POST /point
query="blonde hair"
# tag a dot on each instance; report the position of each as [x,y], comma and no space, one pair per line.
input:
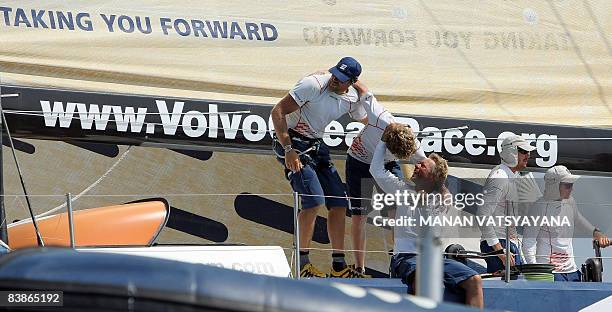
[439,171]
[400,140]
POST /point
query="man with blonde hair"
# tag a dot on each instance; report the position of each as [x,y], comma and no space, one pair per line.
[429,177]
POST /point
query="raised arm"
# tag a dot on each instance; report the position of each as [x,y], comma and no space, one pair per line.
[361,88]
[419,155]
[384,178]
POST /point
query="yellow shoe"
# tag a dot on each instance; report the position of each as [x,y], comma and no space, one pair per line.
[310,270]
[349,272]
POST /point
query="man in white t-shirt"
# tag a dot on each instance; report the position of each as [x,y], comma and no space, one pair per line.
[359,181]
[501,199]
[553,244]
[299,121]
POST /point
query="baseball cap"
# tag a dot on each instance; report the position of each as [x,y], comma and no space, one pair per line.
[347,69]
[517,141]
[560,174]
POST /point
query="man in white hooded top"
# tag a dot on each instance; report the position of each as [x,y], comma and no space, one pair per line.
[501,199]
[553,244]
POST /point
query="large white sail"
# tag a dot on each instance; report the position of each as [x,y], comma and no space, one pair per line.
[531,61]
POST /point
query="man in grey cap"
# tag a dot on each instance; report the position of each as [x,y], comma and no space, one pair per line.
[500,198]
[553,244]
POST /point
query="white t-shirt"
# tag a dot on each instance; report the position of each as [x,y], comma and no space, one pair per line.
[365,142]
[319,106]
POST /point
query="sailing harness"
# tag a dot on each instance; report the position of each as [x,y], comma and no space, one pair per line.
[307,149]
[313,144]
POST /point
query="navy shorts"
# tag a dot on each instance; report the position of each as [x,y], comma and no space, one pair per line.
[318,176]
[455,272]
[568,277]
[360,184]
[495,264]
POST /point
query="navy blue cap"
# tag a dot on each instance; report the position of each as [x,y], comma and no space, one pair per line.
[347,69]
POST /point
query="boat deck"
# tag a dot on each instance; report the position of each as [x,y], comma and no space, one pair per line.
[518,295]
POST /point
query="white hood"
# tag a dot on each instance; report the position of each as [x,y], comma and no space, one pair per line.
[553,177]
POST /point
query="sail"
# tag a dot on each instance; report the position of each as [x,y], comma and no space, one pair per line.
[521,61]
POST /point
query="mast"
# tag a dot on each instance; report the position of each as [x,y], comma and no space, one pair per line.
[3,221]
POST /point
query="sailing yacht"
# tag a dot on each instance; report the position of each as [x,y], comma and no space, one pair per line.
[118,104]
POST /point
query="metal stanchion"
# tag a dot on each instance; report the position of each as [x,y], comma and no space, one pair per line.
[507,275]
[430,266]
[296,234]
[70,221]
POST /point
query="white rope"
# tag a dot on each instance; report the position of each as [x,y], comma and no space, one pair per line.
[41,113]
[131,122]
[226,194]
[87,188]
[440,130]
[156,195]
[188,195]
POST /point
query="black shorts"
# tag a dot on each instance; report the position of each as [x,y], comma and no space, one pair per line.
[360,184]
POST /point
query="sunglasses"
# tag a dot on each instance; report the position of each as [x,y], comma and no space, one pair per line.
[524,152]
[352,80]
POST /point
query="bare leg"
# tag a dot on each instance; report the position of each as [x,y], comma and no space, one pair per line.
[473,291]
[307,219]
[391,214]
[359,238]
[335,228]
